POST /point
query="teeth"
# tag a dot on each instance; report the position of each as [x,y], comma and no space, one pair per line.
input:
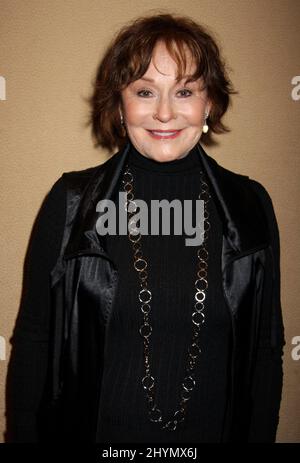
[164,134]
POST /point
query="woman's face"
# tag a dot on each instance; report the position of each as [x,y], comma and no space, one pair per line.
[156,102]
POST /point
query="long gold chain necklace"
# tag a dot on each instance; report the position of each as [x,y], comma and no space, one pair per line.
[145,295]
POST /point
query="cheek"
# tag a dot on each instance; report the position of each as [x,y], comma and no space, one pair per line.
[194,114]
[135,111]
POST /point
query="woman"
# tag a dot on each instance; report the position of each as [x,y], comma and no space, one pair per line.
[139,337]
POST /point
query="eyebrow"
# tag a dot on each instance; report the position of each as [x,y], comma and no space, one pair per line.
[148,79]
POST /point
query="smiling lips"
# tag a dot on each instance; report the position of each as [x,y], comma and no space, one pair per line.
[165,134]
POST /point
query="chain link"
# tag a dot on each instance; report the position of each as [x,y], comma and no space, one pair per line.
[145,296]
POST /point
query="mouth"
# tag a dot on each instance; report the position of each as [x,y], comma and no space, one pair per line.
[164,134]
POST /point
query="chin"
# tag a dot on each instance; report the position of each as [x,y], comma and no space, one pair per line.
[165,157]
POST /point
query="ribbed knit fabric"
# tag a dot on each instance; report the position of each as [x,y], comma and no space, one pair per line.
[171,278]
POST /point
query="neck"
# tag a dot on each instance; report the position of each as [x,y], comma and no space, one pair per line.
[191,161]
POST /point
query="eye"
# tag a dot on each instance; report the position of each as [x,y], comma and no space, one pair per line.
[142,93]
[185,92]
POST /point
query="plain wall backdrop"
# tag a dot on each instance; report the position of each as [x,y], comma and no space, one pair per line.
[49,53]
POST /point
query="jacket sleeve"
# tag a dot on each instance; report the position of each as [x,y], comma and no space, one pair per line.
[268,372]
[29,355]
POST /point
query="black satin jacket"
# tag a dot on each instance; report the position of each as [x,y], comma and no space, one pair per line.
[84,283]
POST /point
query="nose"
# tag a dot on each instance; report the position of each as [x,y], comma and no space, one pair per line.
[164,110]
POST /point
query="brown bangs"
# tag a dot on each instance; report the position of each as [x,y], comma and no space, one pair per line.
[178,48]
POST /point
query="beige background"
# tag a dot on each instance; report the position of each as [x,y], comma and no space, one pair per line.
[49,52]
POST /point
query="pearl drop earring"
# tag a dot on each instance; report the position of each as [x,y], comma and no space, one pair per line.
[205,126]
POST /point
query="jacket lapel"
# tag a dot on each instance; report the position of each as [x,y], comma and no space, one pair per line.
[242,216]
[82,235]
[244,223]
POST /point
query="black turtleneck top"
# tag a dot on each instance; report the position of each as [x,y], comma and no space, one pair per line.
[171,278]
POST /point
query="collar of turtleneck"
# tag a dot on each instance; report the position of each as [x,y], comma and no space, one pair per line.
[188,163]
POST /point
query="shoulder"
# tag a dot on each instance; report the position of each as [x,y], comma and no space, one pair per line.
[68,185]
[267,204]
[265,199]
[259,196]
[228,180]
[79,179]
[247,184]
[249,191]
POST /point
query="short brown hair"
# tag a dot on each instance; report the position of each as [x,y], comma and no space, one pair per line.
[127,59]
